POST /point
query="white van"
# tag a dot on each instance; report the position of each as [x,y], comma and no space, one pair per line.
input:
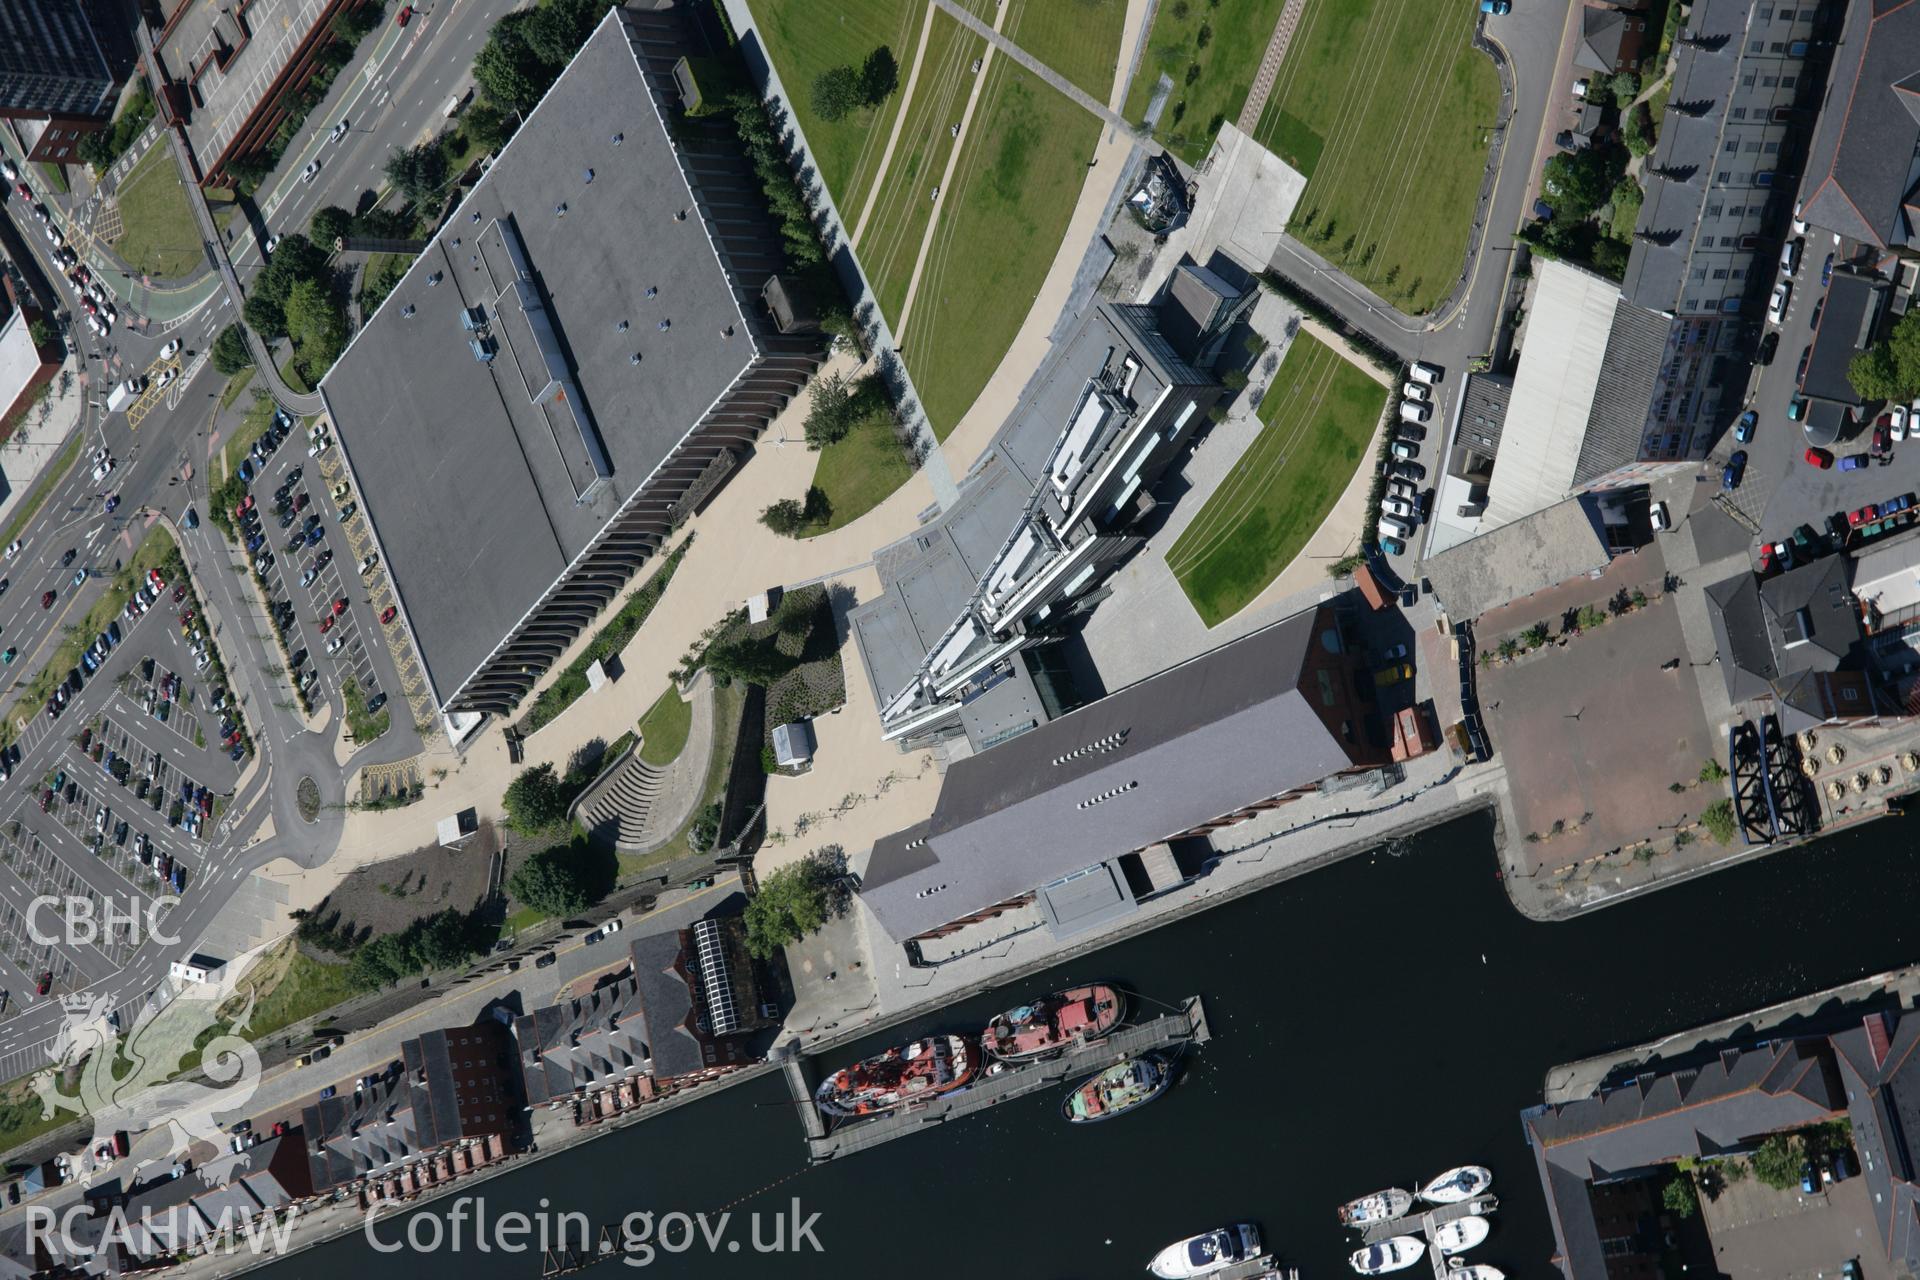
[1414,411]
[1396,526]
[1421,371]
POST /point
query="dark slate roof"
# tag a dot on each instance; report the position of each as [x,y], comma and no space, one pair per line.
[1483,412]
[1617,419]
[1855,301]
[1601,31]
[1883,1093]
[1800,620]
[472,488]
[1861,166]
[1195,301]
[666,1005]
[1158,758]
[1702,200]
[1725,1105]
[584,1043]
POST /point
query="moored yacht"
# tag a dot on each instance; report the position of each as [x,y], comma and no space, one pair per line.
[1461,1234]
[1455,1185]
[1381,1206]
[1204,1254]
[1389,1255]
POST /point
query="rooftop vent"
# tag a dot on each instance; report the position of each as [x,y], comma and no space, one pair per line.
[930,891]
[1107,795]
[1111,742]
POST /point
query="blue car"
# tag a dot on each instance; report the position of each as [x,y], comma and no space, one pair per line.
[1498,8]
[1826,272]
[1543,211]
[1735,468]
[88,661]
[1854,462]
[314,538]
[256,542]
[113,634]
[179,877]
[1743,429]
[246,470]
[236,753]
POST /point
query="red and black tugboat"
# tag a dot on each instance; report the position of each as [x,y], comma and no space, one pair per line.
[1055,1023]
[908,1073]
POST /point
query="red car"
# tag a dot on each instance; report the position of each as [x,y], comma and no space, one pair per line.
[180,593]
[404,16]
[245,506]
[1882,436]
[1766,557]
[160,583]
[388,614]
[46,983]
[46,601]
[22,190]
[326,624]
[1819,458]
[339,606]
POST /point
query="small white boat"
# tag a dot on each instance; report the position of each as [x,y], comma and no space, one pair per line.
[1381,1206]
[1389,1255]
[1455,1185]
[1461,1234]
[1479,1271]
[1204,1254]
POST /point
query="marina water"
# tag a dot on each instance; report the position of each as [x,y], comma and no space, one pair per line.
[1374,1023]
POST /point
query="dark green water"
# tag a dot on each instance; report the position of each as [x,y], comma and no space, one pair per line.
[1374,1024]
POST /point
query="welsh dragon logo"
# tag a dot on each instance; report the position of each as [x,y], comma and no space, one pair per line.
[123,1080]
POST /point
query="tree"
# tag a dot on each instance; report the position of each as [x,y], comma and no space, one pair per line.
[748,660]
[536,799]
[42,333]
[1627,199]
[96,148]
[330,223]
[1891,369]
[443,942]
[295,258]
[789,517]
[507,70]
[419,172]
[837,91]
[1637,132]
[879,75]
[1777,1162]
[1717,818]
[486,126]
[1577,182]
[836,408]
[230,353]
[552,881]
[1626,87]
[263,315]
[316,324]
[790,904]
[1679,1196]
[1610,259]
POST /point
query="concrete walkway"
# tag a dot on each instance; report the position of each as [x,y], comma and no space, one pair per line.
[991,34]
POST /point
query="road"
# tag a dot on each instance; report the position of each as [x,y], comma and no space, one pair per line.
[162,452]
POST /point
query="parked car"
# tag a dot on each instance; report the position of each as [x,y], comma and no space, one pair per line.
[1777,304]
[1736,468]
[1818,457]
[1743,429]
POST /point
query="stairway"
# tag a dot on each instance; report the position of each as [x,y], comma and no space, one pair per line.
[621,805]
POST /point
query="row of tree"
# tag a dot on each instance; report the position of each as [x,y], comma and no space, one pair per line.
[527,50]
[838,92]
[297,297]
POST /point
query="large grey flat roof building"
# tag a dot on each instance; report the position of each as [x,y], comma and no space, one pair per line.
[576,359]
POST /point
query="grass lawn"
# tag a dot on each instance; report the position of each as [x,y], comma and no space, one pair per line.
[377,279]
[364,728]
[726,724]
[896,215]
[50,477]
[21,1118]
[1211,76]
[860,471]
[252,427]
[1013,192]
[294,377]
[805,38]
[159,237]
[1078,38]
[294,986]
[235,385]
[152,552]
[1317,418]
[1392,179]
[663,730]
